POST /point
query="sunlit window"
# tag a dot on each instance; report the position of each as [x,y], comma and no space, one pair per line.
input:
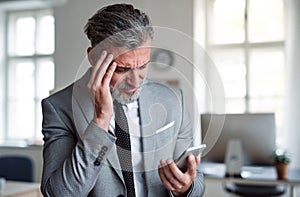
[265,20]
[245,39]
[228,18]
[30,69]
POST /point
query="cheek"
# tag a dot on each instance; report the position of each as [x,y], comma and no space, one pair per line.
[116,79]
[143,73]
[113,80]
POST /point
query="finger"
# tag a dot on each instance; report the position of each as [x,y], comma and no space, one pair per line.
[182,178]
[108,75]
[96,67]
[163,177]
[198,159]
[192,166]
[164,180]
[175,170]
[172,179]
[102,70]
[162,163]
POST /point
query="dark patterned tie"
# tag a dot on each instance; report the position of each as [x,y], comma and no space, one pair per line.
[124,148]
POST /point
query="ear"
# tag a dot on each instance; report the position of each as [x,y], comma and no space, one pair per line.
[90,56]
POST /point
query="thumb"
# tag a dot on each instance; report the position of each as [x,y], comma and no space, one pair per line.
[192,165]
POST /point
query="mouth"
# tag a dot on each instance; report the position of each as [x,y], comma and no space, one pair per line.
[125,93]
[129,90]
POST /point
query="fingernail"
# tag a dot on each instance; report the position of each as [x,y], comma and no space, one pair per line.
[110,56]
[162,162]
[169,161]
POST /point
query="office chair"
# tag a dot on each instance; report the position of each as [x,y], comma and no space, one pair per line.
[16,168]
[247,190]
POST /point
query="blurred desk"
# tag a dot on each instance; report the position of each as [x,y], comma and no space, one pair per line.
[21,189]
[253,175]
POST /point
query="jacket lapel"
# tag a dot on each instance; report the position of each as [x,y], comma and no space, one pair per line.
[81,98]
[113,161]
[149,124]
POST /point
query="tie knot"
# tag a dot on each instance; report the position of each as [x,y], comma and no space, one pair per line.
[117,104]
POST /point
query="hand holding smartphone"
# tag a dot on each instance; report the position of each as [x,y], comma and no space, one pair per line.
[196,151]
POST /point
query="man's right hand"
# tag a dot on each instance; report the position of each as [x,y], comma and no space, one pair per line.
[99,88]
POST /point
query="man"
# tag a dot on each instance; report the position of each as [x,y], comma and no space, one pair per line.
[113,132]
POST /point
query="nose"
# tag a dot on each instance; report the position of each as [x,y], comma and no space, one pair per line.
[134,78]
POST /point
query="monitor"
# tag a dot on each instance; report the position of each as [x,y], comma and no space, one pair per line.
[255,131]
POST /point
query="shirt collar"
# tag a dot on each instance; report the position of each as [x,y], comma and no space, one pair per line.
[131,106]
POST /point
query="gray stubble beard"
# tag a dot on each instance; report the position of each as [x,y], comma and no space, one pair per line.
[117,95]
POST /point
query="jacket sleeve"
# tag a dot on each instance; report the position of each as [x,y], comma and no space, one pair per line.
[71,165]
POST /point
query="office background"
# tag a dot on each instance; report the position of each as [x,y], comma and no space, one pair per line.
[187,17]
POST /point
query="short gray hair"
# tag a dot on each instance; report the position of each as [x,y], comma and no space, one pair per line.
[119,25]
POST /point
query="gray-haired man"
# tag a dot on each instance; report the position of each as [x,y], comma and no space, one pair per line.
[84,151]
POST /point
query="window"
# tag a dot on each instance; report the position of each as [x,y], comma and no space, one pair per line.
[245,39]
[30,71]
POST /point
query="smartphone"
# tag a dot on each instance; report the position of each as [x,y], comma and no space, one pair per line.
[196,150]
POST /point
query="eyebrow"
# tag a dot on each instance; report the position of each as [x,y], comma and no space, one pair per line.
[127,68]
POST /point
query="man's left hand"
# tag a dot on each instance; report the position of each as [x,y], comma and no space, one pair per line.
[174,179]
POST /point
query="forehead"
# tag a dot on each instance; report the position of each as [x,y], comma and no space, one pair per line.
[132,57]
[133,54]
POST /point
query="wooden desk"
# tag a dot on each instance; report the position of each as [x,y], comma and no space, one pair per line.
[21,189]
[253,176]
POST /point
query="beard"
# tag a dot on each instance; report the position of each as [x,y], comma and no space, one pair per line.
[125,98]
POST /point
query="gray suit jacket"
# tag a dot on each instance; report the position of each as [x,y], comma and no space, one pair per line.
[80,158]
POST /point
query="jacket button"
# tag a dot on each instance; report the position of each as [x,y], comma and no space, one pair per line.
[97,163]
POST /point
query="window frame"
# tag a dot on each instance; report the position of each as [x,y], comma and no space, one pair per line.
[35,57]
[245,46]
